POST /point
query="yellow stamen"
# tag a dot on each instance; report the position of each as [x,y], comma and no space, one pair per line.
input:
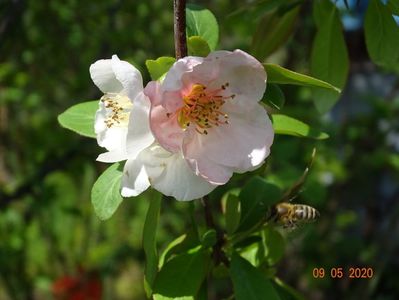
[202,108]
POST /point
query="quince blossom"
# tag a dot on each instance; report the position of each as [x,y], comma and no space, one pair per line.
[208,109]
[121,122]
[122,127]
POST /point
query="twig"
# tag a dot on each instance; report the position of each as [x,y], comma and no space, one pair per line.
[179,8]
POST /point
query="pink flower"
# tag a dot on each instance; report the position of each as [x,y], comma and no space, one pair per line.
[208,108]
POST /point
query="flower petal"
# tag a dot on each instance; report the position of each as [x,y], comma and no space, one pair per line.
[113,138]
[239,146]
[245,75]
[170,174]
[172,81]
[139,134]
[166,129]
[134,179]
[129,77]
[103,76]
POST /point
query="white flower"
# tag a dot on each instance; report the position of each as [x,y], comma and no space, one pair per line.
[123,110]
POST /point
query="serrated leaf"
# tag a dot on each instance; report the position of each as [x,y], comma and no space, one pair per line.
[157,68]
[273,30]
[197,46]
[278,74]
[283,124]
[329,58]
[80,118]
[149,242]
[182,275]
[255,198]
[201,22]
[274,97]
[105,194]
[249,283]
[382,35]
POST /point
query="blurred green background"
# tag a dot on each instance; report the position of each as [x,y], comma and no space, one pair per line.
[49,234]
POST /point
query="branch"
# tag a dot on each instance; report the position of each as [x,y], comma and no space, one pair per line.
[179,8]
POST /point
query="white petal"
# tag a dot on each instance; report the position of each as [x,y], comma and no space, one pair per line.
[139,135]
[113,138]
[103,76]
[134,179]
[112,156]
[129,77]
[170,174]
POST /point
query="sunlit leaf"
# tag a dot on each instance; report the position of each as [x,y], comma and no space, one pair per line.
[278,74]
[182,275]
[255,198]
[283,124]
[80,118]
[273,30]
[201,22]
[197,46]
[382,35]
[159,67]
[249,283]
[105,194]
[149,242]
[329,58]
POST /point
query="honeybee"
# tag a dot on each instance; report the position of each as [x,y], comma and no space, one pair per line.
[290,215]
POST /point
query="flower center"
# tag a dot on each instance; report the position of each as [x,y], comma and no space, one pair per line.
[118,109]
[202,108]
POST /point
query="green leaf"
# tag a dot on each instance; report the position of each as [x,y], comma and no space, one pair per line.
[283,124]
[329,58]
[249,283]
[182,244]
[201,22]
[274,96]
[255,198]
[182,275]
[278,74]
[157,68]
[149,242]
[197,46]
[287,292]
[105,194]
[80,118]
[232,211]
[274,245]
[209,238]
[382,35]
[393,6]
[273,30]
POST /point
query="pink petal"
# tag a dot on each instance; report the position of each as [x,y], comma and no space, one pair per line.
[239,146]
[166,129]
